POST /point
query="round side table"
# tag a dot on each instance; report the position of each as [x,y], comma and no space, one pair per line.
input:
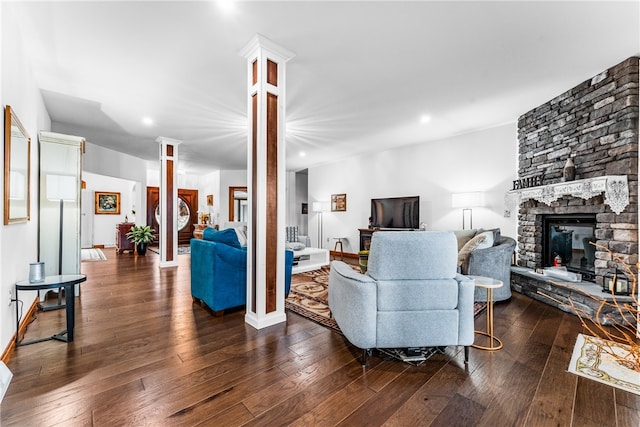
[489,284]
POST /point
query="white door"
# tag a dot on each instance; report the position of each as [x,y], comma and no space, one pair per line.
[86,221]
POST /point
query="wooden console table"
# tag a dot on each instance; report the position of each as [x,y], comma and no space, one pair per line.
[122,243]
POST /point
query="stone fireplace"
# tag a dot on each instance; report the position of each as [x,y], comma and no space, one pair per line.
[596,125]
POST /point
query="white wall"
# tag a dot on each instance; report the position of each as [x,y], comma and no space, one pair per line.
[482,161]
[104,226]
[209,184]
[105,162]
[19,242]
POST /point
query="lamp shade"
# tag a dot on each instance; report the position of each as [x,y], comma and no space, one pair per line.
[320,206]
[61,187]
[467,200]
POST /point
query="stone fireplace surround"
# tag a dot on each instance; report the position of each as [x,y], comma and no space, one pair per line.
[596,123]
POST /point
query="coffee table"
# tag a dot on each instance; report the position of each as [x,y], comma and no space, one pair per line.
[309,259]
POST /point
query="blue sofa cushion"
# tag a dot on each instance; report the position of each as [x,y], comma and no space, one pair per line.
[227,236]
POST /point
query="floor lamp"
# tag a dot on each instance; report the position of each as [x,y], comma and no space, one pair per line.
[319,208]
[60,188]
[466,201]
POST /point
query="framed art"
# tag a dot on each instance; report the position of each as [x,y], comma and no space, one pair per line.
[107,202]
[305,209]
[338,202]
[210,200]
[17,169]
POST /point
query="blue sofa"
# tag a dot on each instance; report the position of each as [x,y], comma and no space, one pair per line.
[219,270]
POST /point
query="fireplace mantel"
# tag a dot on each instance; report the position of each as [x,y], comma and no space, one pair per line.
[614,187]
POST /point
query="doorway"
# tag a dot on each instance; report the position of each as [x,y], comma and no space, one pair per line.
[187,212]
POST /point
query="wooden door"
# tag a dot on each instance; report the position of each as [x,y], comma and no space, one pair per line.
[187,212]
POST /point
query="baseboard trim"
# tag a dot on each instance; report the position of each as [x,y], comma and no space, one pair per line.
[335,254]
[10,348]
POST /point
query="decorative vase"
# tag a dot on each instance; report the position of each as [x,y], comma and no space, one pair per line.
[141,248]
[569,171]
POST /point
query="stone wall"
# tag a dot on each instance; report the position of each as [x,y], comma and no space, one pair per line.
[596,123]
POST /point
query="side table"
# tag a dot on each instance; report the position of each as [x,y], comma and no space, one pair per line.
[66,281]
[489,284]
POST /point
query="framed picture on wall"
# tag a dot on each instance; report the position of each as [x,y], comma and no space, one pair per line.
[338,202]
[210,200]
[107,202]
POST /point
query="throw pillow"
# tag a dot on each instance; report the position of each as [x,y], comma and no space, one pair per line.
[496,234]
[488,241]
[227,236]
[463,255]
[241,234]
[464,236]
[295,246]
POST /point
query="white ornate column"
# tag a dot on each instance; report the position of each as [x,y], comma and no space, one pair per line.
[168,202]
[266,181]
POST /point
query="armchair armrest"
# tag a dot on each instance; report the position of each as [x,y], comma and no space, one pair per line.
[353,303]
[466,291]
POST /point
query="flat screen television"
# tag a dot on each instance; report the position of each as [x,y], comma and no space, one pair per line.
[396,212]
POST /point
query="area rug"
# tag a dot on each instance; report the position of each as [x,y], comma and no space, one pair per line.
[590,360]
[92,255]
[309,297]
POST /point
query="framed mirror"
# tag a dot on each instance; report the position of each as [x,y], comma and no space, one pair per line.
[17,164]
[238,204]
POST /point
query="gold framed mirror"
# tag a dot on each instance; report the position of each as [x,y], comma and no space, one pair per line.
[238,204]
[17,169]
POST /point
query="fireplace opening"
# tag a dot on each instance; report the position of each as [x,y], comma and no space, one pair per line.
[566,242]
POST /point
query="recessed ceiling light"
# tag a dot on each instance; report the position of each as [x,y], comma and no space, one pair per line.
[425,118]
[226,5]
[147,121]
[302,154]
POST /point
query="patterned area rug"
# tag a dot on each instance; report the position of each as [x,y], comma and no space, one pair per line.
[309,297]
[92,255]
[604,361]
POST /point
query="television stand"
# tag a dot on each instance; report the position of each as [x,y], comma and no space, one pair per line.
[367,233]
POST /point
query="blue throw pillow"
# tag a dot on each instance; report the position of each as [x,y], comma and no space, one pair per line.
[227,236]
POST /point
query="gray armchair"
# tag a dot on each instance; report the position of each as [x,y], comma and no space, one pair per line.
[411,295]
[494,262]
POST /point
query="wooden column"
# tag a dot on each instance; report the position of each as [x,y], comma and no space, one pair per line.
[168,202]
[266,181]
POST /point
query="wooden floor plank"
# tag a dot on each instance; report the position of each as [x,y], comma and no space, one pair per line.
[145,354]
[556,388]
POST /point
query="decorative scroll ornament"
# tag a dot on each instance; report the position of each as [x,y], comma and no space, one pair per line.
[614,187]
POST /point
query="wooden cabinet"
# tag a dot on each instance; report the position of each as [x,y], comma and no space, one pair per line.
[122,243]
[365,238]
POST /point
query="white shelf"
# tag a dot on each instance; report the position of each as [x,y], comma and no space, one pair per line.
[317,258]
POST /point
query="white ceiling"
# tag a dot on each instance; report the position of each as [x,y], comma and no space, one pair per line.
[363,75]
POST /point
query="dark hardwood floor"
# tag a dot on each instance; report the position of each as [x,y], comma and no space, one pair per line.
[144,354]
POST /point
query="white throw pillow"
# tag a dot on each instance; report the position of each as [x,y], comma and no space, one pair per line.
[488,241]
[242,235]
